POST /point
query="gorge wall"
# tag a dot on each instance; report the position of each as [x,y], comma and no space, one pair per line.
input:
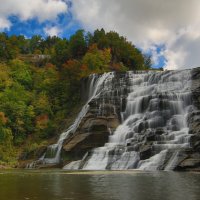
[133,120]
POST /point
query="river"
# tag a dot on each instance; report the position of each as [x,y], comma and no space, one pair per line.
[98,185]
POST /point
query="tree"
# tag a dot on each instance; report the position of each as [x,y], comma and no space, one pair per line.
[147,61]
[21,73]
[5,78]
[97,60]
[8,47]
[101,39]
[42,105]
[15,104]
[6,140]
[61,52]
[77,45]
[7,152]
[37,95]
[23,44]
[71,70]
[35,43]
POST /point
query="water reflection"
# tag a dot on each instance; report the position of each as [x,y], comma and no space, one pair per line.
[165,186]
[99,186]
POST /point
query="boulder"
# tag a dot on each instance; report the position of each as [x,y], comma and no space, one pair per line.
[189,163]
[145,152]
[82,143]
[103,117]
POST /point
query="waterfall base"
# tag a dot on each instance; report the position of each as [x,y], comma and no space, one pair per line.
[137,120]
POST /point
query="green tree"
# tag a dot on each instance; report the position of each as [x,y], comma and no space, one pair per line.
[21,73]
[147,61]
[15,104]
[5,78]
[23,44]
[8,47]
[61,52]
[35,43]
[97,60]
[77,44]
[101,39]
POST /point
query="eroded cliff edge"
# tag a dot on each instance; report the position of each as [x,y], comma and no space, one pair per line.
[190,160]
[100,122]
[163,112]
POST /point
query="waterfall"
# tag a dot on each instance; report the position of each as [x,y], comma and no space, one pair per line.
[53,153]
[153,126]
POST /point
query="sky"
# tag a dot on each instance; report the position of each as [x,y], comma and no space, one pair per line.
[169,30]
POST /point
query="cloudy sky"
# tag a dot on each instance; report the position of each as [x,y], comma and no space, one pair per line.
[167,29]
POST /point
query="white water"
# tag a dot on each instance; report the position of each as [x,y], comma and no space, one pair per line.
[52,155]
[173,161]
[157,101]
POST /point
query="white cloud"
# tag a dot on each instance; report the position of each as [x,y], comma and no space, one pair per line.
[28,9]
[52,31]
[174,24]
[184,49]
[4,24]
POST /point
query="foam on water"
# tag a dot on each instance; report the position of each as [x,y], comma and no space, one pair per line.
[157,106]
[53,153]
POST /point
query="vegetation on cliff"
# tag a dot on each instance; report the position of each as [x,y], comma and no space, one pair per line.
[40,82]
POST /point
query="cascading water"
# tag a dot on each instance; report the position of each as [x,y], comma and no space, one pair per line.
[52,155]
[154,125]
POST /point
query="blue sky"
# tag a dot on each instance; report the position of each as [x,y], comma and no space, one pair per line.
[34,27]
[64,22]
[171,37]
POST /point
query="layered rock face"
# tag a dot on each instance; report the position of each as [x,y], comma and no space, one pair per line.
[98,118]
[190,160]
[134,120]
[102,118]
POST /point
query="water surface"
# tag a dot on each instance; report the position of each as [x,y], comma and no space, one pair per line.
[100,185]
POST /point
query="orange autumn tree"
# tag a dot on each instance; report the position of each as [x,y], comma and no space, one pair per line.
[42,121]
[71,70]
[96,60]
[3,118]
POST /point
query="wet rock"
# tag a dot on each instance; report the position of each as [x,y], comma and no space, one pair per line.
[36,153]
[159,131]
[82,143]
[194,123]
[189,163]
[145,152]
[94,124]
[149,135]
[92,132]
[195,142]
[101,120]
[188,160]
[113,122]
[98,125]
[193,160]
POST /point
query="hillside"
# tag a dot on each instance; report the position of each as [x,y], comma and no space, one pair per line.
[40,83]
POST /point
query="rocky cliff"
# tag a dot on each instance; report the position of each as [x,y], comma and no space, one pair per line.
[190,160]
[144,120]
[101,119]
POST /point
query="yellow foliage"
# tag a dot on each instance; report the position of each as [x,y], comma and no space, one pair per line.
[3,118]
[42,121]
[5,79]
